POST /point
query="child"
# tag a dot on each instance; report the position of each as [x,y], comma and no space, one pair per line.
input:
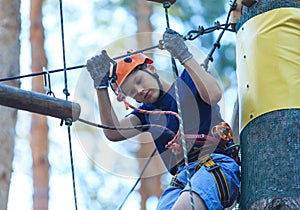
[214,174]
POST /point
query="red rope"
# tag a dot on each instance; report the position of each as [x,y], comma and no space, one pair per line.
[173,144]
[198,139]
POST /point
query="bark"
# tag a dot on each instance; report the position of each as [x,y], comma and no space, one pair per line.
[39,126]
[270,145]
[9,66]
[270,157]
[38,103]
[283,203]
[263,6]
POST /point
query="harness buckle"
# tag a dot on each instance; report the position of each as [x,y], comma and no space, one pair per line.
[211,165]
[223,132]
[232,147]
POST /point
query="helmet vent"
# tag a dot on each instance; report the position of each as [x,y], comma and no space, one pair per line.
[128,60]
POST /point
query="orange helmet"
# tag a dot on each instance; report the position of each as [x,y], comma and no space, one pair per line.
[127,64]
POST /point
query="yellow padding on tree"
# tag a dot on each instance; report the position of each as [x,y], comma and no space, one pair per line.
[268,63]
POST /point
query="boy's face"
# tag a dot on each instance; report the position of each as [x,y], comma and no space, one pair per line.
[141,86]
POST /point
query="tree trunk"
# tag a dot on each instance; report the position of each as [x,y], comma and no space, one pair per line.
[39,126]
[269,103]
[150,183]
[9,65]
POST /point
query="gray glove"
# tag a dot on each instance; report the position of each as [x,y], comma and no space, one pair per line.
[99,68]
[173,42]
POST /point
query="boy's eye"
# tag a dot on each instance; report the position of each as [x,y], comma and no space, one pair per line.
[138,81]
[131,93]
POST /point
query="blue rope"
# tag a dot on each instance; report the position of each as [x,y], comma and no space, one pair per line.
[166,5]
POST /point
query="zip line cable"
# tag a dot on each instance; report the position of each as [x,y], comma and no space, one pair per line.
[68,122]
[40,73]
[65,90]
[191,35]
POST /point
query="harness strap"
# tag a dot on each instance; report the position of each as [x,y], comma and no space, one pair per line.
[216,172]
[201,139]
[219,177]
[222,138]
[175,182]
[198,153]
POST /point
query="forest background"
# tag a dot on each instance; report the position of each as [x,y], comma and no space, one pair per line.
[104,171]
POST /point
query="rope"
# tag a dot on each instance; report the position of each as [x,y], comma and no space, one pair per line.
[142,127]
[65,90]
[68,122]
[184,147]
[166,5]
[176,136]
[138,180]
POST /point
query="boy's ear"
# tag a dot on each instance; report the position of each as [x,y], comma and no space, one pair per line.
[152,68]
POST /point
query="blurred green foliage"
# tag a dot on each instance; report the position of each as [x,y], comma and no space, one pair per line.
[191,15]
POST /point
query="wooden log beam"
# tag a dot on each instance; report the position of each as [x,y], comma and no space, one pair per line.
[38,103]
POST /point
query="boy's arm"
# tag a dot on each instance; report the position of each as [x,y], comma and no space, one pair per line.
[99,67]
[207,86]
[109,117]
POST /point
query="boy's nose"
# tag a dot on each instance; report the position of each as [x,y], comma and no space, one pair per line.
[141,91]
[137,91]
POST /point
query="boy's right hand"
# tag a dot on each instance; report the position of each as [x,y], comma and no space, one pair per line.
[99,68]
[174,43]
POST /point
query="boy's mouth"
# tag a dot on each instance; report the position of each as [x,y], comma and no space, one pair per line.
[147,95]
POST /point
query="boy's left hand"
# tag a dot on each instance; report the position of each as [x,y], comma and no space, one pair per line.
[99,69]
[174,43]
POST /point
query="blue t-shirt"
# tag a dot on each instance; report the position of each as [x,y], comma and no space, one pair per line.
[198,117]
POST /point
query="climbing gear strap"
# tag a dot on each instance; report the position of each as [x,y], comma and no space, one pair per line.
[222,138]
[175,182]
[196,140]
[219,177]
[217,173]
